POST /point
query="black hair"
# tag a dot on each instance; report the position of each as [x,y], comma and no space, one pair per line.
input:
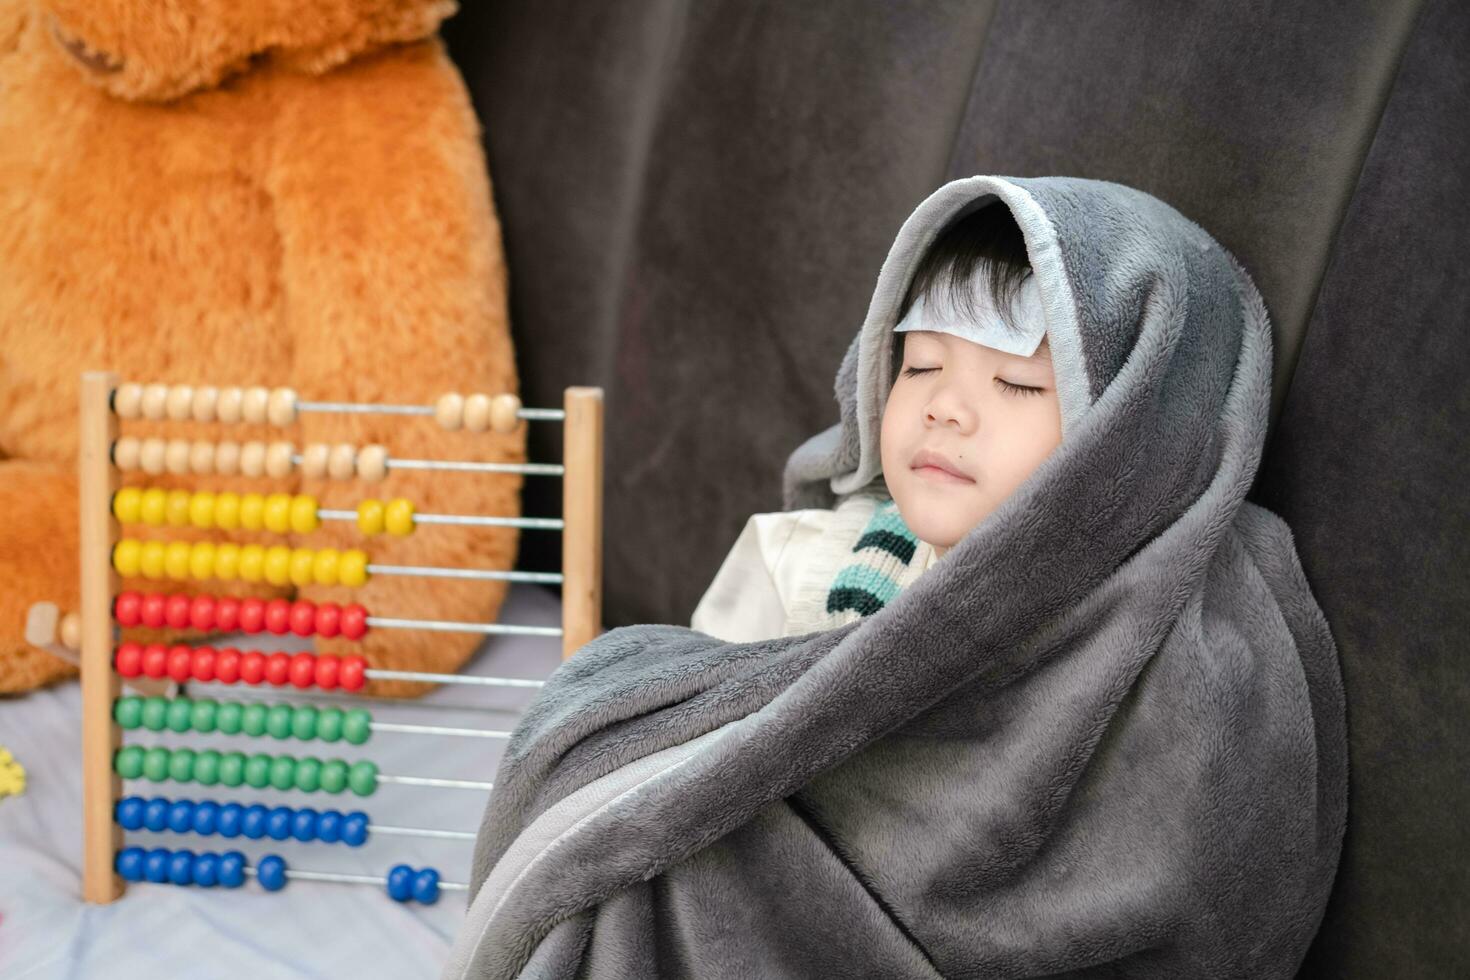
[985,241]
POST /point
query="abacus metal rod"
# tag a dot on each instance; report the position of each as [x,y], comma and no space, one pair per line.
[543,523]
[478,574]
[434,781]
[461,466]
[374,673]
[410,729]
[374,828]
[379,408]
[447,626]
[350,879]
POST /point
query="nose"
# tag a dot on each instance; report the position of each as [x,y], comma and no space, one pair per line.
[946,406]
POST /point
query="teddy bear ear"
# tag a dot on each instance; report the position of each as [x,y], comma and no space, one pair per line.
[376,25]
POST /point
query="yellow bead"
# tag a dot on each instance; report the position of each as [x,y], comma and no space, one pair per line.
[176,560]
[126,555]
[201,509]
[226,560]
[127,504]
[302,564]
[398,516]
[252,563]
[252,511]
[370,516]
[304,518]
[227,510]
[201,561]
[150,559]
[324,567]
[177,508]
[352,568]
[153,506]
[277,513]
[278,565]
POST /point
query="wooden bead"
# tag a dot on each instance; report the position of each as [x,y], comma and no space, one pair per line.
[342,462]
[176,456]
[449,411]
[151,456]
[278,459]
[127,401]
[155,401]
[503,409]
[205,400]
[201,457]
[314,459]
[372,462]
[227,458]
[227,407]
[477,413]
[254,405]
[180,403]
[70,631]
[252,459]
[281,407]
[125,453]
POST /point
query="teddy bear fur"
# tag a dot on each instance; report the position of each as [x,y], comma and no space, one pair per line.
[227,193]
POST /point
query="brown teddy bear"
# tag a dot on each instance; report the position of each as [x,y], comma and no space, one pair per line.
[215,192]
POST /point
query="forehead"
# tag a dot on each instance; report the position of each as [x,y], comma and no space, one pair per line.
[938,342]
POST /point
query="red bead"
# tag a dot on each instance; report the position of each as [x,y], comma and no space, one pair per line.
[127,608]
[303,670]
[252,667]
[352,673]
[327,668]
[226,614]
[203,666]
[252,616]
[278,616]
[227,665]
[354,621]
[180,663]
[155,660]
[176,611]
[328,619]
[278,668]
[303,617]
[150,613]
[201,612]
[129,659]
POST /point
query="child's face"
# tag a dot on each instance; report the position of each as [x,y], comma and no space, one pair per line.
[993,415]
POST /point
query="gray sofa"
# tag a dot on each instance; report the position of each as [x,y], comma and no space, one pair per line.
[696,199]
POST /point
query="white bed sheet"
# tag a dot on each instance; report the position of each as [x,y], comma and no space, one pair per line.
[308,929]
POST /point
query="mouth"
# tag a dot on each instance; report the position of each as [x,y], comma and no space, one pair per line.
[92,59]
[937,467]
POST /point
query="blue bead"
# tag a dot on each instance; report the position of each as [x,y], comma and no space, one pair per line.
[329,826]
[206,870]
[230,817]
[303,825]
[252,825]
[155,864]
[130,813]
[400,883]
[181,816]
[278,823]
[426,886]
[206,817]
[181,867]
[129,863]
[155,814]
[355,828]
[232,869]
[271,873]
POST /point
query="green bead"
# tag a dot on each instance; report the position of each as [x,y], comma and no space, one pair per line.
[180,714]
[205,716]
[155,714]
[206,767]
[252,721]
[303,723]
[227,720]
[334,776]
[329,724]
[363,777]
[357,726]
[181,766]
[128,712]
[258,771]
[283,772]
[155,764]
[232,768]
[278,720]
[128,763]
[308,774]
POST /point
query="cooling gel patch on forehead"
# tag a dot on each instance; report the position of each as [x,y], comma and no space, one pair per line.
[1021,336]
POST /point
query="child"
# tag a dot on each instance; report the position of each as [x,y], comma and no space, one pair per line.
[972,411]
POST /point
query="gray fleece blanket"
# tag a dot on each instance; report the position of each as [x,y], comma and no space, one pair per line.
[1104,737]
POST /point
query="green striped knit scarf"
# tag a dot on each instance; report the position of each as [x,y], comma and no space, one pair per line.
[882,554]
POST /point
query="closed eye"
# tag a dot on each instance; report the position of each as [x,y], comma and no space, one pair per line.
[910,372]
[1022,390]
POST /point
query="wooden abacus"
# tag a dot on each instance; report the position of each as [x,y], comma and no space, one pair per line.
[105,661]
